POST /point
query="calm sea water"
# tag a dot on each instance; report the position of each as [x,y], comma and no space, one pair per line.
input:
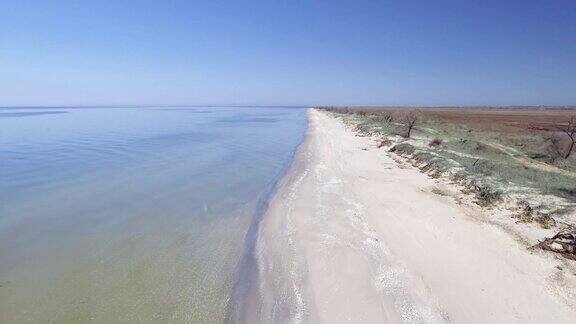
[132,214]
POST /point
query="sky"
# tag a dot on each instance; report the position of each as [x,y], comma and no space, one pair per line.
[443,52]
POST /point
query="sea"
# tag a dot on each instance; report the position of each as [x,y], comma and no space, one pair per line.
[134,214]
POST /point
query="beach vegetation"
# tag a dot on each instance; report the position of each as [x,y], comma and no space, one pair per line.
[435,142]
[496,154]
[384,142]
[486,195]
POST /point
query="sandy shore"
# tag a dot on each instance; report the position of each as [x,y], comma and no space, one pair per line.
[352,236]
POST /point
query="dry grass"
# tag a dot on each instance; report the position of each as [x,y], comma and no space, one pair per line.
[494,152]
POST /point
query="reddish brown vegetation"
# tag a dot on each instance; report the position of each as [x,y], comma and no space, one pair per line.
[483,119]
[503,120]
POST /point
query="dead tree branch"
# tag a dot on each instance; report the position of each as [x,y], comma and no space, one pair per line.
[570,130]
[410,119]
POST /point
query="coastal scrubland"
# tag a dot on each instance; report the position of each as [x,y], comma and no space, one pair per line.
[521,159]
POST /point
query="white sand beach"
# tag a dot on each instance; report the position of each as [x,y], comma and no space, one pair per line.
[353,236]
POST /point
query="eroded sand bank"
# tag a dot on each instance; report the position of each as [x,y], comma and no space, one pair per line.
[354,237]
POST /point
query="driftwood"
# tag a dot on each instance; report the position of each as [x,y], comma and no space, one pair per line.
[564,242]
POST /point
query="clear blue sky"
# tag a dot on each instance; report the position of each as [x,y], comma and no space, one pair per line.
[288,52]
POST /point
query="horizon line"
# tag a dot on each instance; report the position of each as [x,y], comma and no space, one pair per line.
[570,106]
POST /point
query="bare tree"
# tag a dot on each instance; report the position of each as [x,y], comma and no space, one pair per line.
[570,130]
[409,120]
[555,149]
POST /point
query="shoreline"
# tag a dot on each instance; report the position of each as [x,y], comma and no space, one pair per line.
[244,288]
[351,234]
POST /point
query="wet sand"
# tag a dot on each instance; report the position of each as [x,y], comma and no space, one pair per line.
[354,236]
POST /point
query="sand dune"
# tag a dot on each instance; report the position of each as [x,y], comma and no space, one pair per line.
[354,237]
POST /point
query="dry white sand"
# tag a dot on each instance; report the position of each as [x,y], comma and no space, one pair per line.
[354,237]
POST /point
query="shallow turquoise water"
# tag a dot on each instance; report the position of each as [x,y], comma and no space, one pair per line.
[132,214]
